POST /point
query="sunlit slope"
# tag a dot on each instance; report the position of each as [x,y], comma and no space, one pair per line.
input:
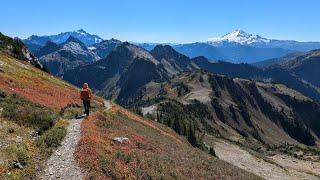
[35,85]
[152,152]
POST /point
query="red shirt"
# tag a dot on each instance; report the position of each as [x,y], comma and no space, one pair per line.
[85,94]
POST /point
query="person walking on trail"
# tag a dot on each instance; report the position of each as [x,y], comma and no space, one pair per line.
[86,95]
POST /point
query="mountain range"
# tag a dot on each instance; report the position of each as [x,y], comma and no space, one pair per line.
[241,47]
[303,65]
[236,46]
[126,73]
[165,62]
[241,37]
[60,58]
[163,79]
[34,42]
[127,68]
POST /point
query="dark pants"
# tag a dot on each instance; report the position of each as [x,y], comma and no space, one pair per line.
[86,105]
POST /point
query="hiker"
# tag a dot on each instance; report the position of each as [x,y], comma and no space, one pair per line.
[86,95]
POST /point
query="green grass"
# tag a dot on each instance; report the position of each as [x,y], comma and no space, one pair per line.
[52,138]
[26,113]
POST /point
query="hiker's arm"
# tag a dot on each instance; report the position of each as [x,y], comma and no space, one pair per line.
[90,93]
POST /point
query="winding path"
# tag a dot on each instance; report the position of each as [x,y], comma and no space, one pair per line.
[62,164]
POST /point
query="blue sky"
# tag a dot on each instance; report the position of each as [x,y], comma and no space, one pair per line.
[163,20]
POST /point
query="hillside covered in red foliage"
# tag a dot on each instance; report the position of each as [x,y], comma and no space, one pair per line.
[152,151]
[35,85]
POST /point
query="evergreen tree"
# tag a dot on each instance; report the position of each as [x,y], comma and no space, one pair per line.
[212,152]
[192,136]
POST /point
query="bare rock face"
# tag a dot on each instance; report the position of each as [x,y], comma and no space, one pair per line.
[71,54]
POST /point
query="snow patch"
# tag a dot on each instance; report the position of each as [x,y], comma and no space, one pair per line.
[92,48]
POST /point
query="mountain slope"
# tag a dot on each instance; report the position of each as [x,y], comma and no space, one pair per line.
[128,68]
[68,55]
[103,48]
[152,151]
[304,65]
[34,107]
[34,85]
[48,48]
[16,48]
[272,62]
[120,74]
[172,61]
[233,108]
[272,74]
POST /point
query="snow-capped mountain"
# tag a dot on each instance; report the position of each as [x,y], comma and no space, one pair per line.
[83,36]
[238,36]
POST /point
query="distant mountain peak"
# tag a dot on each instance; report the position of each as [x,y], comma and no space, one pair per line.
[81,31]
[241,37]
[164,48]
[82,35]
[237,33]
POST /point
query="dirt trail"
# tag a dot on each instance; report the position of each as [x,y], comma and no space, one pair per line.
[244,160]
[62,164]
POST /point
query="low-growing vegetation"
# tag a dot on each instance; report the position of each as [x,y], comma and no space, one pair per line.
[51,139]
[29,133]
[25,113]
[19,77]
[152,152]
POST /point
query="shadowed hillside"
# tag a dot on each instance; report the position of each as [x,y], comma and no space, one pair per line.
[232,108]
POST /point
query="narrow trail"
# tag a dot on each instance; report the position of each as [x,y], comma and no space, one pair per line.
[62,164]
[244,160]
